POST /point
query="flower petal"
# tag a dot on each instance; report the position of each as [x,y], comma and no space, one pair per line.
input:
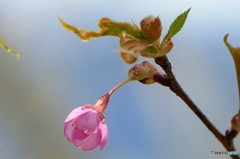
[72,133]
[104,133]
[77,112]
[88,122]
[90,142]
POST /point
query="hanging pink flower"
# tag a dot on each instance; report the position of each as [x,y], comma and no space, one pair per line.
[86,128]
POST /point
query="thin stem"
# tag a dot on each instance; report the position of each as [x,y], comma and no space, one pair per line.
[117,86]
[102,102]
[177,89]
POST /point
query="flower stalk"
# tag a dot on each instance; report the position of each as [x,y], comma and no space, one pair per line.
[118,86]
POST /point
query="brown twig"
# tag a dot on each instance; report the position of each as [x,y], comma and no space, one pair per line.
[227,141]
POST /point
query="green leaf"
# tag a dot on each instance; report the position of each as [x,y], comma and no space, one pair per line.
[150,51]
[2,43]
[176,26]
[235,52]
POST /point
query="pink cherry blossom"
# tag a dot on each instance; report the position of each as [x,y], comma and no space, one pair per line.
[86,128]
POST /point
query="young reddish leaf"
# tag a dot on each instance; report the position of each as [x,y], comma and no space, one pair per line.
[2,43]
[235,52]
[107,28]
[176,26]
[84,35]
[164,49]
[151,27]
[130,48]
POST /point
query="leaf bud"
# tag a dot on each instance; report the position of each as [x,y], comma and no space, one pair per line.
[151,27]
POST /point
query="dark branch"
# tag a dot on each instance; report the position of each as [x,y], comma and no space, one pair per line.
[177,89]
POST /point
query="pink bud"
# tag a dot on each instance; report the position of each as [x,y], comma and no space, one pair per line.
[143,72]
[86,128]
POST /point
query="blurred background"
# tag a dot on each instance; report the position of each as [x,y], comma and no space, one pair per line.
[57,72]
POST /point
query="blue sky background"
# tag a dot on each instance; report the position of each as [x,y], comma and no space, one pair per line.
[57,72]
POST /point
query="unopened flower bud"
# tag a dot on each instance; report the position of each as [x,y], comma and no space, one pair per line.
[236,122]
[151,27]
[142,72]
